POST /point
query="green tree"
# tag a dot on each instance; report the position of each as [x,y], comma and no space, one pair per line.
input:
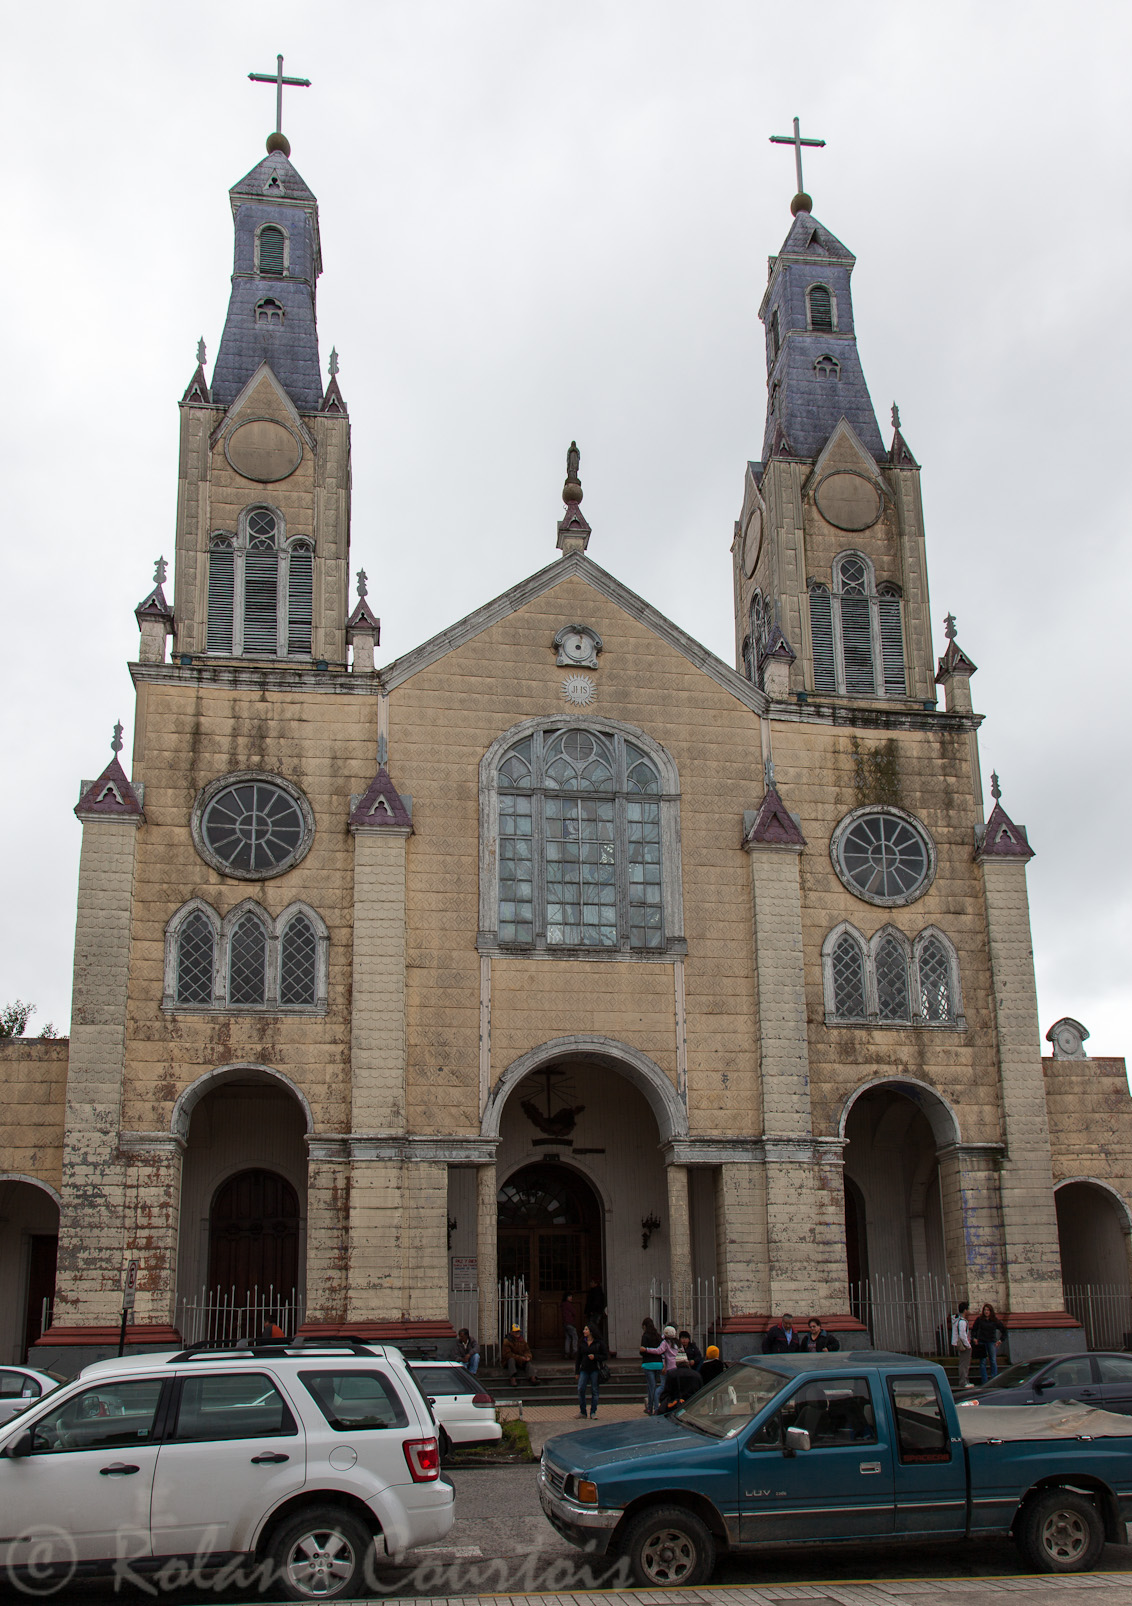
[14,1018]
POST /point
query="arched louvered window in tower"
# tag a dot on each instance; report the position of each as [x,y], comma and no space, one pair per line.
[580,849]
[937,1005]
[196,956]
[300,599]
[261,585]
[247,961]
[891,630]
[298,965]
[221,593]
[856,626]
[848,978]
[271,251]
[891,969]
[821,638]
[821,308]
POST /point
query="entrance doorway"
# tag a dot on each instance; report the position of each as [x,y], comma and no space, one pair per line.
[549,1233]
[254,1238]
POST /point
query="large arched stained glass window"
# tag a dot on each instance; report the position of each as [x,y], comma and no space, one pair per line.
[580,861]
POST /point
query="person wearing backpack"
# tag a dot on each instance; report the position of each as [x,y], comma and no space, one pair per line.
[961,1344]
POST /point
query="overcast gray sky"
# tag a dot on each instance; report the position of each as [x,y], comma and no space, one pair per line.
[546,221]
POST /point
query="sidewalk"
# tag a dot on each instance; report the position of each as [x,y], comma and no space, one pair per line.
[1089,1589]
[544,1421]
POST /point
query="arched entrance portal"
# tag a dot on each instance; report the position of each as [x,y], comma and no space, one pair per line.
[254,1236]
[894,1218]
[549,1234]
[1092,1231]
[29,1238]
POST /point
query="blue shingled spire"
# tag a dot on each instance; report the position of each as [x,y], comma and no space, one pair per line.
[814,376]
[271,313]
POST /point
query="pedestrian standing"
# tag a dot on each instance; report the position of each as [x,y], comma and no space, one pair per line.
[651,1363]
[713,1366]
[594,1310]
[782,1339]
[592,1356]
[668,1350]
[815,1340]
[467,1351]
[961,1344]
[569,1313]
[987,1333]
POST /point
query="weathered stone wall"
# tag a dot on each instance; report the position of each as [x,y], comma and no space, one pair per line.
[33,1074]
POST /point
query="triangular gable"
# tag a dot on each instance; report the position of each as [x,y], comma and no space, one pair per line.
[363,618]
[773,826]
[246,402]
[288,185]
[954,661]
[899,455]
[845,450]
[198,393]
[802,231]
[154,606]
[333,402]
[111,796]
[780,442]
[777,646]
[380,808]
[1002,839]
[575,565]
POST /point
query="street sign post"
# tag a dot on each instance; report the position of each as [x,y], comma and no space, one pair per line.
[129,1299]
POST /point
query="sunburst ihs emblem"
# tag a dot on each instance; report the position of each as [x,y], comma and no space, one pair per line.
[579,690]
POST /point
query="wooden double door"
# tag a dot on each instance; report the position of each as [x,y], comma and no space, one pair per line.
[549,1234]
[254,1238]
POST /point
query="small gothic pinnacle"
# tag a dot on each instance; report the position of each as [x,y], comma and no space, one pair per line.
[332,365]
[363,586]
[995,789]
[572,490]
[895,416]
[116,740]
[949,627]
[202,354]
[160,570]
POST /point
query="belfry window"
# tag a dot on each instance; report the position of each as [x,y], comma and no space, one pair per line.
[581,844]
[269,311]
[271,251]
[857,632]
[775,335]
[827,367]
[260,590]
[820,302]
[246,961]
[891,981]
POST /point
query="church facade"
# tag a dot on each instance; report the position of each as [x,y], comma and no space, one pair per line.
[557,951]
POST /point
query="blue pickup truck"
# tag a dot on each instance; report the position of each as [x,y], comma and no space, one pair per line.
[852,1447]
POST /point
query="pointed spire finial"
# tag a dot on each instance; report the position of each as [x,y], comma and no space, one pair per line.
[995,789]
[895,416]
[160,570]
[363,587]
[949,627]
[202,353]
[116,739]
[332,365]
[572,490]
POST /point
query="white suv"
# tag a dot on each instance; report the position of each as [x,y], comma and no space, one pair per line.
[311,1457]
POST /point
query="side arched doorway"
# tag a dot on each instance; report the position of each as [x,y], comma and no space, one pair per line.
[1093,1235]
[549,1234]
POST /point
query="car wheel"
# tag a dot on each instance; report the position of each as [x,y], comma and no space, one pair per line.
[445,1445]
[320,1554]
[1061,1532]
[668,1548]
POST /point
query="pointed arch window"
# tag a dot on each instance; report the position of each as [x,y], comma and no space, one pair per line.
[889,981]
[260,590]
[821,307]
[247,961]
[272,251]
[857,632]
[584,858]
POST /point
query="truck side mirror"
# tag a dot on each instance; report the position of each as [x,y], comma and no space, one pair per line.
[796,1439]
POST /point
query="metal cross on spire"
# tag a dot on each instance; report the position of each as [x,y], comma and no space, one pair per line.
[278,80]
[797,141]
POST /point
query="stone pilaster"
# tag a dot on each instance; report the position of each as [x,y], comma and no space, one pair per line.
[741,1237]
[679,1231]
[487,1216]
[152,1172]
[972,1221]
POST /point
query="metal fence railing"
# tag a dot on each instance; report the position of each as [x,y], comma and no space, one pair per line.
[693,1304]
[219,1317]
[1104,1311]
[910,1314]
[514,1304]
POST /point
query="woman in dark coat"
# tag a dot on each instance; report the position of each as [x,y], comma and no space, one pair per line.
[987,1333]
[592,1356]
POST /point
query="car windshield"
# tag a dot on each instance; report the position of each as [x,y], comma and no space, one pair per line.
[725,1407]
[1015,1376]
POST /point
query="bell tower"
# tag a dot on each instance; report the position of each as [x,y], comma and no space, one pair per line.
[263,508]
[829,547]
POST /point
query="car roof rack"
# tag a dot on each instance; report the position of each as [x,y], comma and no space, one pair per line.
[242,1351]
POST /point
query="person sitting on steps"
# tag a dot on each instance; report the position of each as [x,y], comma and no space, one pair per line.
[517,1358]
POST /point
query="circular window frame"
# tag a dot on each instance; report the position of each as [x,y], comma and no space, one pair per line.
[213,790]
[842,830]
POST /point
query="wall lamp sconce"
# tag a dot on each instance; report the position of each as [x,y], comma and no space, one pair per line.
[649,1224]
[452,1225]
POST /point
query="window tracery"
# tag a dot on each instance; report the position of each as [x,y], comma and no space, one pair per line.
[260,590]
[890,981]
[246,961]
[857,632]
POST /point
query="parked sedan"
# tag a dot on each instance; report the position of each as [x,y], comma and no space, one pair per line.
[1102,1379]
[21,1386]
[464,1411]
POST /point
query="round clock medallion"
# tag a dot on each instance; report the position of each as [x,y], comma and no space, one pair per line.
[576,647]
